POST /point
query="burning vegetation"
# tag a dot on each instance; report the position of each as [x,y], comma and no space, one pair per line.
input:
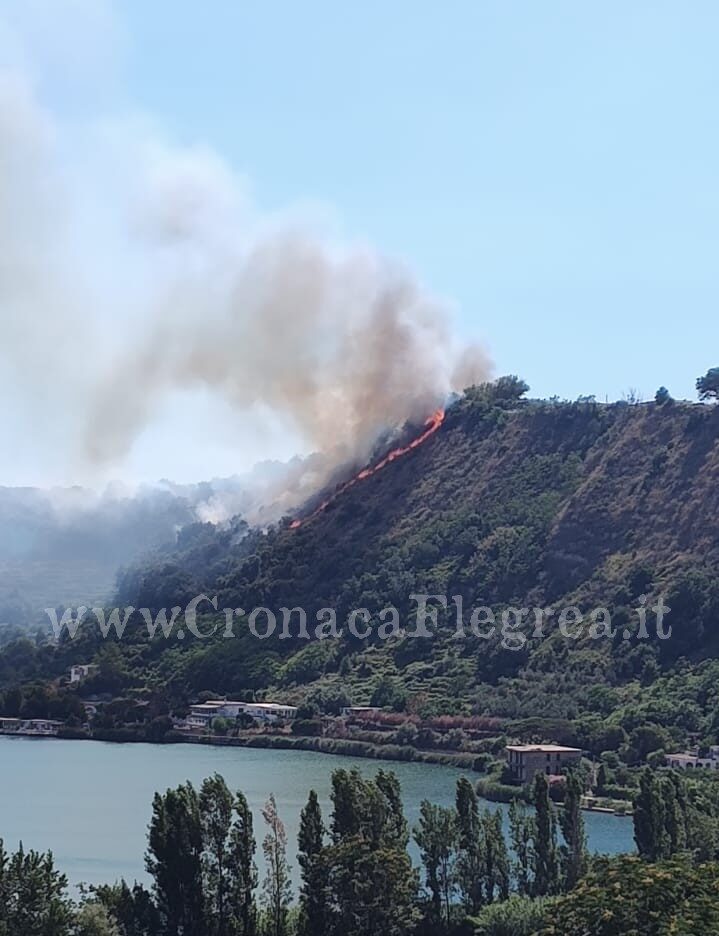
[430,427]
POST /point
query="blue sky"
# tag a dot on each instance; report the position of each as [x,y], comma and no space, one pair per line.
[550,168]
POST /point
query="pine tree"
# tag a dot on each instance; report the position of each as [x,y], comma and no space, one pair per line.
[33,900]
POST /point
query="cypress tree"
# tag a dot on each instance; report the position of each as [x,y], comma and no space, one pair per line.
[313,894]
[546,866]
[174,859]
[216,818]
[571,822]
[243,872]
[436,836]
[650,832]
[470,847]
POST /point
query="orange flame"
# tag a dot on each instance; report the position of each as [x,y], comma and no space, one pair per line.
[432,425]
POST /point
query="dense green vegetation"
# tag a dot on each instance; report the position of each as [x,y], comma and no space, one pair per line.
[357,878]
[512,503]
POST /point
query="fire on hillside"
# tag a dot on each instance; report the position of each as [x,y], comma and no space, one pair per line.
[430,427]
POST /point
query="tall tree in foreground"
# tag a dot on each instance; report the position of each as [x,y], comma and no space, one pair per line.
[522,833]
[650,832]
[174,859]
[216,819]
[277,882]
[243,872]
[314,911]
[372,885]
[496,858]
[132,908]
[93,919]
[571,822]
[32,895]
[436,836]
[546,865]
[470,848]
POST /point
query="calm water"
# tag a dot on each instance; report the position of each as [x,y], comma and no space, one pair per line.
[90,802]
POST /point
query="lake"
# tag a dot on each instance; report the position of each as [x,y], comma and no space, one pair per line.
[90,802]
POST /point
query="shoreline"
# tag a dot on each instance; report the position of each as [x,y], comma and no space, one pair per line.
[341,747]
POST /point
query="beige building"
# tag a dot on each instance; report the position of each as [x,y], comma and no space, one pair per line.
[527,760]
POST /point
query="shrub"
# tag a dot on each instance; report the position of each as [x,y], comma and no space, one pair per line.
[518,916]
[310,727]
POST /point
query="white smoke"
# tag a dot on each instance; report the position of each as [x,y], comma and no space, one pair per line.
[133,270]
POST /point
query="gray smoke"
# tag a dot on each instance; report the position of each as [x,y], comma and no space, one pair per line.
[132,270]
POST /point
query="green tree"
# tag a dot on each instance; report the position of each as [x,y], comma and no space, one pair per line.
[496,858]
[314,911]
[546,864]
[216,817]
[708,385]
[278,891]
[517,916]
[371,882]
[436,836]
[93,919]
[174,859]
[571,822]
[625,895]
[242,870]
[522,833]
[650,821]
[132,908]
[470,847]
[33,899]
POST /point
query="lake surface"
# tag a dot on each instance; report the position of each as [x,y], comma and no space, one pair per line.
[90,802]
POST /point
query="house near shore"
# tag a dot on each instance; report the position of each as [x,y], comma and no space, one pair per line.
[527,760]
[360,711]
[690,760]
[203,714]
[40,727]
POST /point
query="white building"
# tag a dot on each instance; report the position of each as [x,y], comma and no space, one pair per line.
[81,671]
[270,711]
[46,727]
[203,714]
[688,760]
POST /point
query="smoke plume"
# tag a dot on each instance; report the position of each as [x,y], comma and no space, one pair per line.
[132,270]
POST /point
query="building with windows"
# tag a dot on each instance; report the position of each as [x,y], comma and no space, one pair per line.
[203,714]
[527,760]
[690,760]
[45,727]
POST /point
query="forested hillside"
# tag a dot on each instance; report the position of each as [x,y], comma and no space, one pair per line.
[512,502]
